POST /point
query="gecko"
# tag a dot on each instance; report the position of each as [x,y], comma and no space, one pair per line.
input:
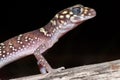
[36,42]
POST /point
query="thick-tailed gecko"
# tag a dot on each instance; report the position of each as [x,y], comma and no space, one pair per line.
[38,41]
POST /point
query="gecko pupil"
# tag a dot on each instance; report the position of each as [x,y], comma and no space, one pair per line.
[76,10]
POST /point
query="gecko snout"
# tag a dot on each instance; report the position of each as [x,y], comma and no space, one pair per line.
[92,12]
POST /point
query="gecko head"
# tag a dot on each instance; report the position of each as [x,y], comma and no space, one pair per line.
[80,13]
[70,17]
[75,14]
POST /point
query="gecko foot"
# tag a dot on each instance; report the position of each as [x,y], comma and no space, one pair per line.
[44,71]
[57,70]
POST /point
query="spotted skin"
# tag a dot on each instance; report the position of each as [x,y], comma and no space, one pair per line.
[20,46]
[38,41]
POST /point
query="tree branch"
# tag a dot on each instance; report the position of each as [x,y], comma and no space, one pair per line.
[102,71]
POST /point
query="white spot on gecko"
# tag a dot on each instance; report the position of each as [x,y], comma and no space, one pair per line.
[18,41]
[19,47]
[3,55]
[33,42]
[56,15]
[3,47]
[71,13]
[61,16]
[62,21]
[65,12]
[26,40]
[23,46]
[54,22]
[2,44]
[8,53]
[36,38]
[49,35]
[67,16]
[11,46]
[43,31]
[26,37]
[19,37]
[21,42]
[4,51]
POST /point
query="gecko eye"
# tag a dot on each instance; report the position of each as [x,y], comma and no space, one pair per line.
[76,10]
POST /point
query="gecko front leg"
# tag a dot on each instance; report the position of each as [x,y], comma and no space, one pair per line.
[44,66]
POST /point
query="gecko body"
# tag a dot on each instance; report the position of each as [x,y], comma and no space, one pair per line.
[38,41]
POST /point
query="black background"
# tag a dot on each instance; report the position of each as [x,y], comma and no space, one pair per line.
[94,41]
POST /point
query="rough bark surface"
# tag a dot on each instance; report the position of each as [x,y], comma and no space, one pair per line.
[102,71]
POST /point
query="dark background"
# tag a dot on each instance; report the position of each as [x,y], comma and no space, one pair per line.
[94,41]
